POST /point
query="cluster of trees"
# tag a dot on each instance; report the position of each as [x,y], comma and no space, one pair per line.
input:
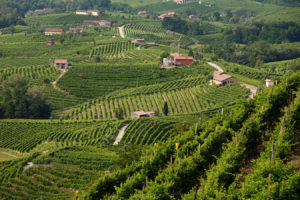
[13,11]
[254,54]
[271,32]
[178,25]
[17,100]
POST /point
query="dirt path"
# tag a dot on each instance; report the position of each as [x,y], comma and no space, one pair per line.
[31,164]
[215,66]
[120,135]
[253,89]
[121,31]
[59,77]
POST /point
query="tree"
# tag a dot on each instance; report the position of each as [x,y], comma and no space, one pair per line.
[97,59]
[166,109]
[17,100]
[119,113]
[191,53]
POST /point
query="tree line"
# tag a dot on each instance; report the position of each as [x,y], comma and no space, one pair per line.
[276,32]
[253,55]
[178,25]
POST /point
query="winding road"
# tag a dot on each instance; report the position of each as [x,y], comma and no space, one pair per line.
[253,89]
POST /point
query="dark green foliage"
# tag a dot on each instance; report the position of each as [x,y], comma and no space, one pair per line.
[181,26]
[19,101]
[129,154]
[254,53]
[119,113]
[166,109]
[271,32]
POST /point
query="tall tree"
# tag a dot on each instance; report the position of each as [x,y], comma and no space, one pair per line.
[166,109]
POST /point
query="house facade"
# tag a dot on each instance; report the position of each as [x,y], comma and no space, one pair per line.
[138,41]
[221,78]
[95,13]
[53,31]
[168,14]
[139,114]
[102,23]
[269,83]
[61,63]
[183,60]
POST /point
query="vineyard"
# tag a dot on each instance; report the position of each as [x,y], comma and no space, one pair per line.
[112,49]
[26,135]
[217,153]
[148,131]
[50,178]
[181,101]
[31,73]
[95,80]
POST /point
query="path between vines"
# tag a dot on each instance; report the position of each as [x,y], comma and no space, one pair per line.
[253,89]
[120,135]
[63,71]
[121,31]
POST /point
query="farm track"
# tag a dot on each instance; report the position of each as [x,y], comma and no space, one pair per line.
[122,35]
[54,83]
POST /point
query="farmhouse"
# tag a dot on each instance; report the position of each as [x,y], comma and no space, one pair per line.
[221,78]
[139,114]
[138,41]
[102,23]
[183,60]
[50,43]
[88,12]
[53,31]
[143,12]
[76,30]
[44,11]
[269,83]
[61,63]
[168,14]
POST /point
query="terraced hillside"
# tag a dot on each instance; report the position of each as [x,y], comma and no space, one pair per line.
[180,101]
[55,175]
[24,135]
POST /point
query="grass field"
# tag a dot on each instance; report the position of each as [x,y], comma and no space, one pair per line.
[6,156]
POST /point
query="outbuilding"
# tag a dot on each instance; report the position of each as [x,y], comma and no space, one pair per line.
[61,63]
[53,31]
[221,78]
[269,83]
[141,113]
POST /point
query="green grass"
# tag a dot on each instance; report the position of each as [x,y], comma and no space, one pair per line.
[6,156]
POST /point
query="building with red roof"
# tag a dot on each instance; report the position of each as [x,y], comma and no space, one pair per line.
[53,31]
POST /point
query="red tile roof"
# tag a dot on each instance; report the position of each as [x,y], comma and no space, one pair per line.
[53,30]
[183,58]
[269,80]
[64,61]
